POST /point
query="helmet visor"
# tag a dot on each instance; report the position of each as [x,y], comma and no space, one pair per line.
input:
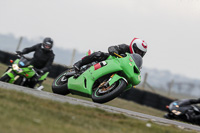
[138,51]
[141,53]
[47,45]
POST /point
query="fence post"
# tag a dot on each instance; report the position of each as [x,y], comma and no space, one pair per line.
[73,56]
[145,80]
[170,87]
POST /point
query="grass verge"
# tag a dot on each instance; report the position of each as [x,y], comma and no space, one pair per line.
[23,113]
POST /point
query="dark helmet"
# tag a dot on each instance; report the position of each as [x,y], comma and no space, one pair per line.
[47,44]
[138,46]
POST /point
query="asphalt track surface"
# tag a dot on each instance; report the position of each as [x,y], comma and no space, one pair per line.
[59,98]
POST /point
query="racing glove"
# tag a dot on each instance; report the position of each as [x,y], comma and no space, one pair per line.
[112,50]
[19,52]
[40,72]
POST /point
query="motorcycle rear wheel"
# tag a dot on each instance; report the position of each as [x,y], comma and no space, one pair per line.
[110,92]
[59,85]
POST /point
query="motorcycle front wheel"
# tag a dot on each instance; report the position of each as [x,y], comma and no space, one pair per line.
[5,78]
[19,81]
[59,85]
[105,94]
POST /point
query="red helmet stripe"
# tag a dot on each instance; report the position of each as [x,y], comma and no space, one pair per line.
[131,50]
[145,46]
[131,45]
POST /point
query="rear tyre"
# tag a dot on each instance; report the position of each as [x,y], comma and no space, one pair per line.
[102,95]
[5,78]
[59,85]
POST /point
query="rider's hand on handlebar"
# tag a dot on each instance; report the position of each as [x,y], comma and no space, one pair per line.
[19,52]
[40,72]
[112,50]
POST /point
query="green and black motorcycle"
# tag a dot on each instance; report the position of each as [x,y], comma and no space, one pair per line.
[102,81]
[21,72]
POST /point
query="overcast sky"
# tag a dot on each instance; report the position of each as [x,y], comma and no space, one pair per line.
[171,28]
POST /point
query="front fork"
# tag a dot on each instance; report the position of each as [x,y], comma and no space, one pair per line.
[10,72]
[9,69]
[105,83]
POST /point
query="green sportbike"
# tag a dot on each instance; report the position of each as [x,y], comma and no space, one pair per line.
[21,72]
[102,81]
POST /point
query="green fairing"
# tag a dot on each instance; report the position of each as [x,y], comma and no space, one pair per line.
[114,79]
[11,77]
[27,72]
[43,77]
[85,81]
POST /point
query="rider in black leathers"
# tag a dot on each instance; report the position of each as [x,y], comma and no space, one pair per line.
[42,58]
[192,118]
[137,46]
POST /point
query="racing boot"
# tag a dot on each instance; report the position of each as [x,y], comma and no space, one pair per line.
[77,67]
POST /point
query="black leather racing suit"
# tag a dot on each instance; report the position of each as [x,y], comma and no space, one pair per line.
[193,118]
[100,56]
[119,49]
[194,101]
[42,59]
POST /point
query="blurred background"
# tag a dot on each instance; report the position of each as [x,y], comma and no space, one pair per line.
[170,28]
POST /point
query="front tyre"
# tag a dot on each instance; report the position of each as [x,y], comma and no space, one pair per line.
[59,85]
[105,94]
[19,81]
[5,78]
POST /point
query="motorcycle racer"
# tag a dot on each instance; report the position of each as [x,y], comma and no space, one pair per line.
[43,56]
[137,46]
[190,117]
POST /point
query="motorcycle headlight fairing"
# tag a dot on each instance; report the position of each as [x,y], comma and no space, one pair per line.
[16,68]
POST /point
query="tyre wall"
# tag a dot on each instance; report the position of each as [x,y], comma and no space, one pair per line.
[147,98]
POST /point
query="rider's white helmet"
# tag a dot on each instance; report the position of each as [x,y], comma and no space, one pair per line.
[138,46]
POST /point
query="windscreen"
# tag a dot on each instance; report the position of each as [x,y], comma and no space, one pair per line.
[137,59]
[23,62]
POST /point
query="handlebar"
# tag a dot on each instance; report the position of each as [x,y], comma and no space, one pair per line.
[118,55]
[20,55]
